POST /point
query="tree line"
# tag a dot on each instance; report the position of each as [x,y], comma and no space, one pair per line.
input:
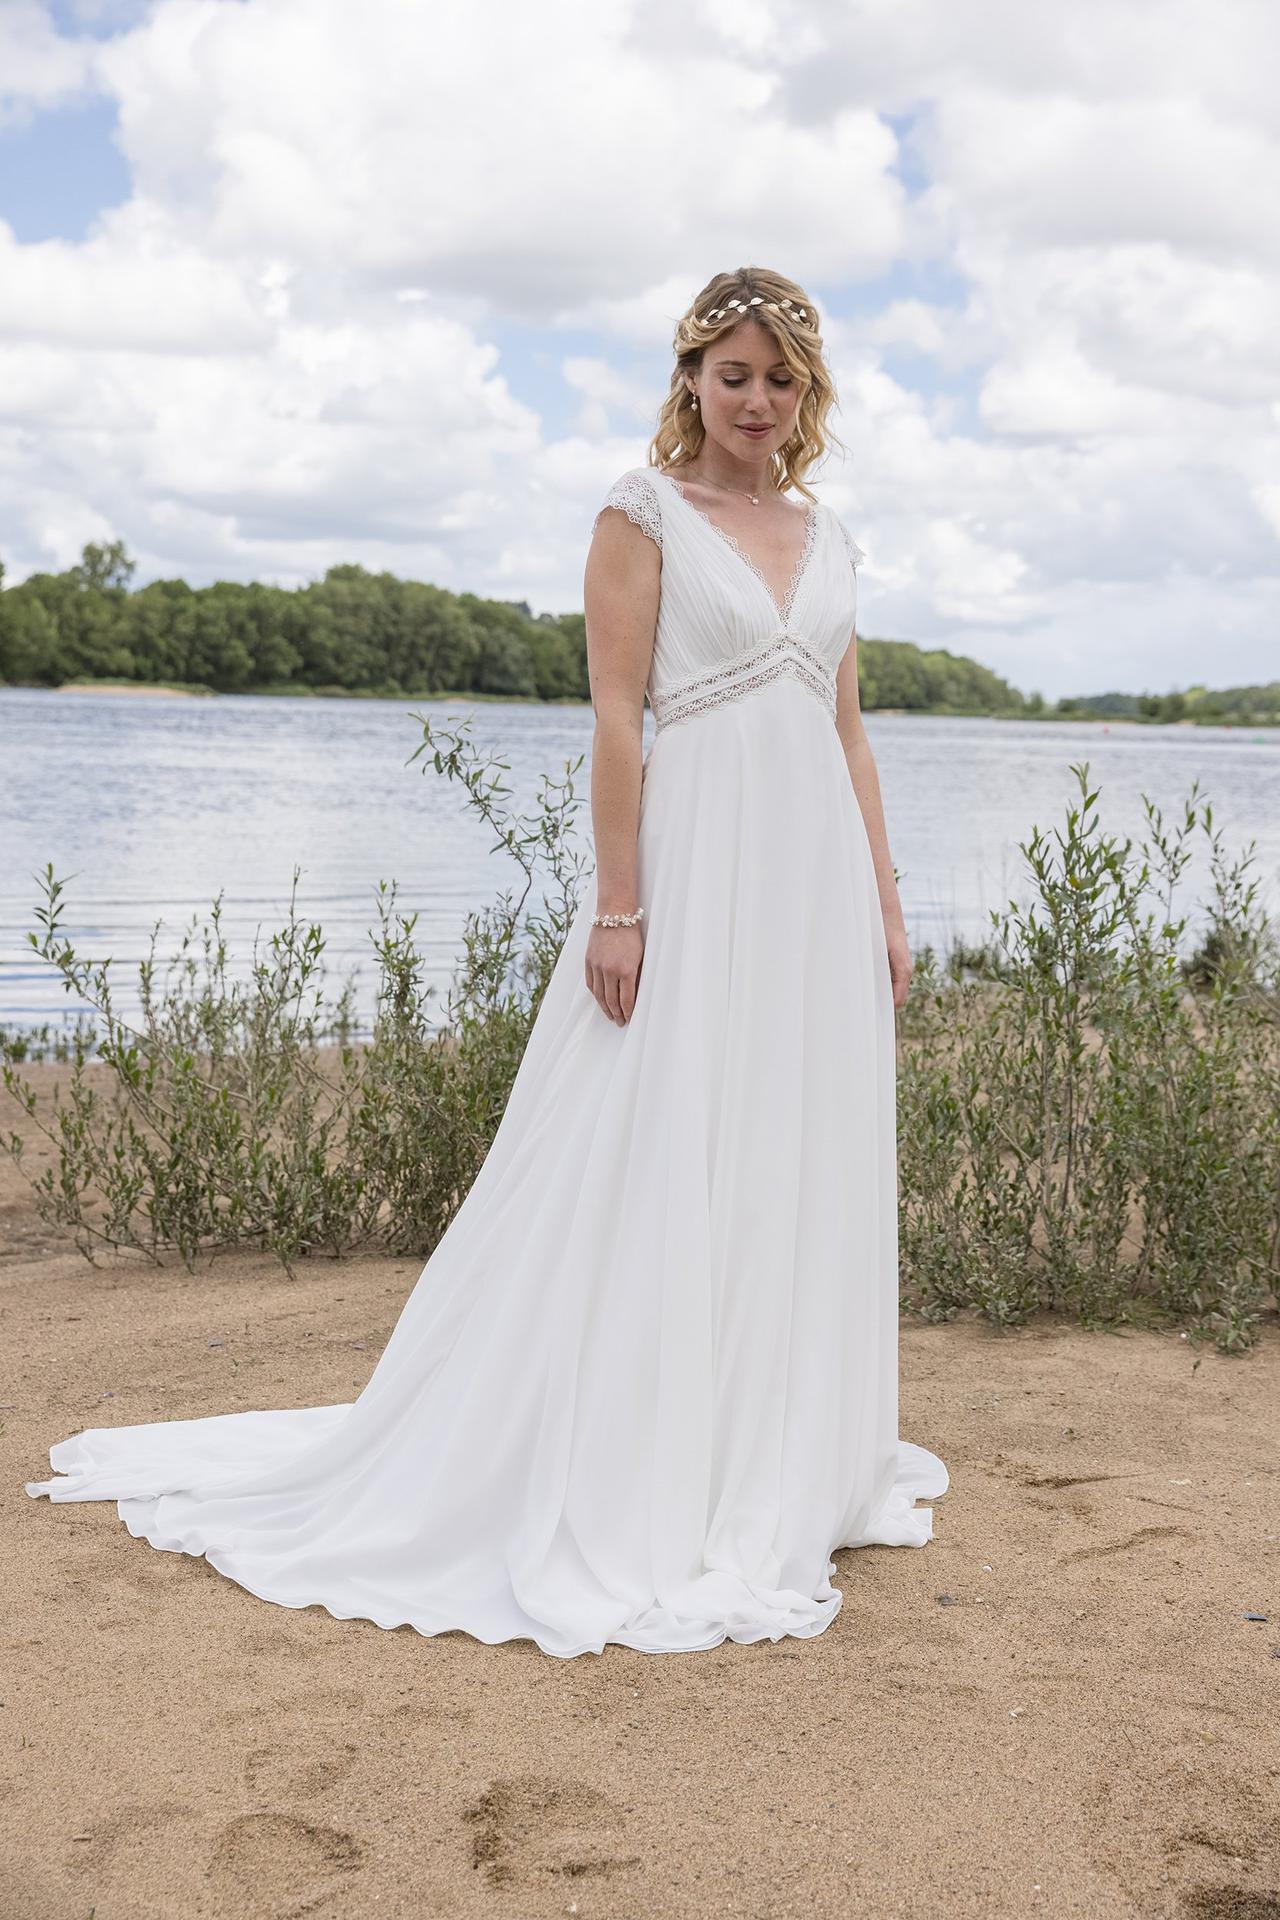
[356,632]
[352,632]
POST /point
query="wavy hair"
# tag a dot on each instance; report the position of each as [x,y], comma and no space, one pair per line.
[680,434]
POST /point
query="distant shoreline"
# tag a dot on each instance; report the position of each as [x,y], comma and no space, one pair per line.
[160,690]
[127,686]
[154,688]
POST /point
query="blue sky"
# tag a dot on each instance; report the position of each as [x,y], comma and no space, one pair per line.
[59,169]
[280,286]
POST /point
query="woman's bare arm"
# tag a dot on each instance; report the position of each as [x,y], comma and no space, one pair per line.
[620,595]
[866,785]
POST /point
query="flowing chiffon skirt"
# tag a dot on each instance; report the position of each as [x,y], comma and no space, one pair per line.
[647,1382]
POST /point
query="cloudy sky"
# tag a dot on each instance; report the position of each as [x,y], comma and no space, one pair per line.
[291,282]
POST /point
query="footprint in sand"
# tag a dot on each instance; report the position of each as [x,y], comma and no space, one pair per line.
[272,1863]
[1131,1540]
[526,1830]
[1223,1844]
[344,1701]
[291,1646]
[1226,1900]
[309,1752]
[1229,1903]
[120,1842]
[1061,1480]
[283,1772]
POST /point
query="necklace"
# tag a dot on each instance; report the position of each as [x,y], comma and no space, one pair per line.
[754,498]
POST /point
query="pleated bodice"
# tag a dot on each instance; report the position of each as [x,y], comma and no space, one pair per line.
[721,633]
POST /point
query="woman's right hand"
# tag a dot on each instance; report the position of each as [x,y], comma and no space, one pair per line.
[613,962]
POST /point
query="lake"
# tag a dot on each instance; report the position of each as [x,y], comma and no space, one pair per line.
[150,806]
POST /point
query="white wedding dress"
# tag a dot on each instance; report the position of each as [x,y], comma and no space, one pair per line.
[647,1382]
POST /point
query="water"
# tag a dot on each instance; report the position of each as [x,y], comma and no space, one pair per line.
[150,806]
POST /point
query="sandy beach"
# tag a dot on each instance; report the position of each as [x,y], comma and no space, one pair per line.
[1058,1706]
[135,687]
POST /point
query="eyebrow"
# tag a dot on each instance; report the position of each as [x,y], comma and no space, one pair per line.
[747,364]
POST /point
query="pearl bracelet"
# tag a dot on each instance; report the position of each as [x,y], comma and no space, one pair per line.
[617,919]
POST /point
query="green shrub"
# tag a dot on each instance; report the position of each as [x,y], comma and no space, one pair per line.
[1092,1122]
[252,1113]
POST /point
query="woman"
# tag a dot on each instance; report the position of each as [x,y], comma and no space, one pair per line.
[646,1384]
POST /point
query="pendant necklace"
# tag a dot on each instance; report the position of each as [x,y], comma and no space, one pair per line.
[754,498]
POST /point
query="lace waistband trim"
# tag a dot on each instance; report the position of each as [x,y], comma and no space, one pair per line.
[748,672]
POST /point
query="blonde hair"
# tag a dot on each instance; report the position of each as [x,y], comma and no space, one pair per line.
[680,433]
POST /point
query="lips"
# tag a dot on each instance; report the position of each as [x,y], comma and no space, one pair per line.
[757,433]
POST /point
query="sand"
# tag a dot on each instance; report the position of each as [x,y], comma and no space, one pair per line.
[1058,1706]
[142,687]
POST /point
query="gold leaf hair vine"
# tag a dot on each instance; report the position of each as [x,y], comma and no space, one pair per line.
[757,300]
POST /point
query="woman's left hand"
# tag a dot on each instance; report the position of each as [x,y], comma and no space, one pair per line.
[901,966]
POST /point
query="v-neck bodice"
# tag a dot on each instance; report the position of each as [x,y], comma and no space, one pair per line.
[721,631]
[808,535]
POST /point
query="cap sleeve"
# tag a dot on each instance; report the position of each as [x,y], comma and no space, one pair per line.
[856,555]
[636,496]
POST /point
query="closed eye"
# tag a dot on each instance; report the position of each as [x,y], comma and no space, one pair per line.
[777,383]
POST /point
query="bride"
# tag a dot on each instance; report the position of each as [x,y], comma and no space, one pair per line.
[647,1383]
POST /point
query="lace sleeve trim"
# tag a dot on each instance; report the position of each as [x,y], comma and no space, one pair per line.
[635,497]
[856,555]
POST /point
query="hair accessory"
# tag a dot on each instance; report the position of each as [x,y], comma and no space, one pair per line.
[775,306]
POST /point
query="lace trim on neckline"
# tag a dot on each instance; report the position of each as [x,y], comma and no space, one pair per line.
[787,605]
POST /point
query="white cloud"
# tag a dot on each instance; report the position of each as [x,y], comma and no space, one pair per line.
[38,67]
[507,165]
[133,283]
[1050,170]
[281,351]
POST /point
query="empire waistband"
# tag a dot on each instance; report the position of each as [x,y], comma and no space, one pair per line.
[745,673]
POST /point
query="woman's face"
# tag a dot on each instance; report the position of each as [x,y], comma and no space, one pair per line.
[742,383]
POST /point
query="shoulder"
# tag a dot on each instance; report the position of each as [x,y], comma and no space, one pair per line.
[636,494]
